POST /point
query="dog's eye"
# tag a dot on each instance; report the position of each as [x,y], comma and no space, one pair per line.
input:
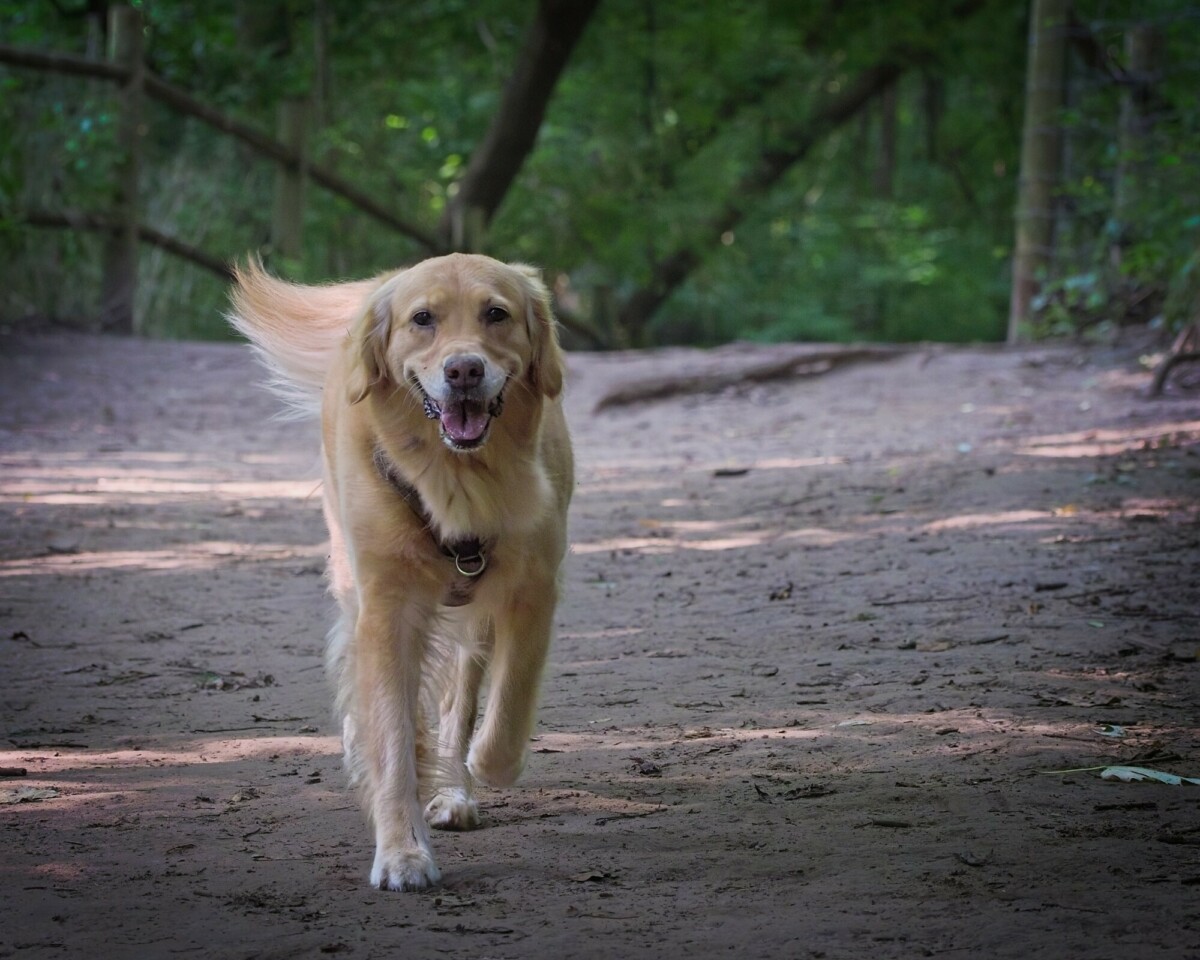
[496,315]
[422,318]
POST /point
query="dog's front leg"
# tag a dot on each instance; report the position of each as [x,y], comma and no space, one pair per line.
[390,639]
[522,641]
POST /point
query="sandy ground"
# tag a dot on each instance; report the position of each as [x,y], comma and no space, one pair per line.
[824,643]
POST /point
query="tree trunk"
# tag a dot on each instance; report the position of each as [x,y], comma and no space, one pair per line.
[933,105]
[604,315]
[121,249]
[322,67]
[885,160]
[1041,157]
[885,184]
[263,26]
[1142,54]
[556,28]
[468,229]
[287,219]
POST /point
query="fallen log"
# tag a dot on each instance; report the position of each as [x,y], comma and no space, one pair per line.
[740,364]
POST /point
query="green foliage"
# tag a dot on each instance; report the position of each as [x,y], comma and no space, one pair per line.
[664,107]
[1129,222]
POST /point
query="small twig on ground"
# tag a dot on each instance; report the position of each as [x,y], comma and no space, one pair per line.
[601,821]
[895,603]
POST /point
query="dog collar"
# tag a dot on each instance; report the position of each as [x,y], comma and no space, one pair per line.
[468,554]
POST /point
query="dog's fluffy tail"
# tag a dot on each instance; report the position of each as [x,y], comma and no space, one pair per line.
[295,329]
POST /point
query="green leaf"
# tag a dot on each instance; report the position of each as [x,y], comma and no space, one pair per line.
[28,794]
[1133,774]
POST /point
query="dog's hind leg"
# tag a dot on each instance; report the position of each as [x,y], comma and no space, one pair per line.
[340,669]
[454,806]
[339,647]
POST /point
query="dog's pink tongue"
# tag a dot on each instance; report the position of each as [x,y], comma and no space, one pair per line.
[464,421]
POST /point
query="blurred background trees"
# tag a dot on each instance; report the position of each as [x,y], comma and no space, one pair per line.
[703,171]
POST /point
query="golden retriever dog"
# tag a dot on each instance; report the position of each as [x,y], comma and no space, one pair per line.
[447,475]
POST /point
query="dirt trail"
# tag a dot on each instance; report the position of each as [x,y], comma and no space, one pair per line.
[821,639]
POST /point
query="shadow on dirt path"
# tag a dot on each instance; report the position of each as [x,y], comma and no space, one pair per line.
[822,639]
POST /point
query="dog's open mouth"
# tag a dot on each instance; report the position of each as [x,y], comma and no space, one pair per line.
[465,420]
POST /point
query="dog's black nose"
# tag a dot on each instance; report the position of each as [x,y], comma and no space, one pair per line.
[463,371]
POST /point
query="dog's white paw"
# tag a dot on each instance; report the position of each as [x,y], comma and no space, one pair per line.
[495,767]
[452,810]
[411,869]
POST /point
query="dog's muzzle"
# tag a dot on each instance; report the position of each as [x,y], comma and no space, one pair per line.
[465,412]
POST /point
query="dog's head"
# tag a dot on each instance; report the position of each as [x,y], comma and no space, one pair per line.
[459,332]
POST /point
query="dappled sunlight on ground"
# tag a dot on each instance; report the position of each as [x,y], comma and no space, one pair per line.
[741,541]
[59,872]
[864,742]
[589,486]
[87,779]
[972,520]
[615,476]
[1111,441]
[71,479]
[201,556]
[194,751]
[1160,507]
[599,634]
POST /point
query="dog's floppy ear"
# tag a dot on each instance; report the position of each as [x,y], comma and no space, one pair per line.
[369,340]
[547,366]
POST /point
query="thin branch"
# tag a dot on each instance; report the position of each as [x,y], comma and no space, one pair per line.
[183,102]
[894,603]
[671,271]
[83,220]
[61,63]
[174,97]
[829,113]
[552,35]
